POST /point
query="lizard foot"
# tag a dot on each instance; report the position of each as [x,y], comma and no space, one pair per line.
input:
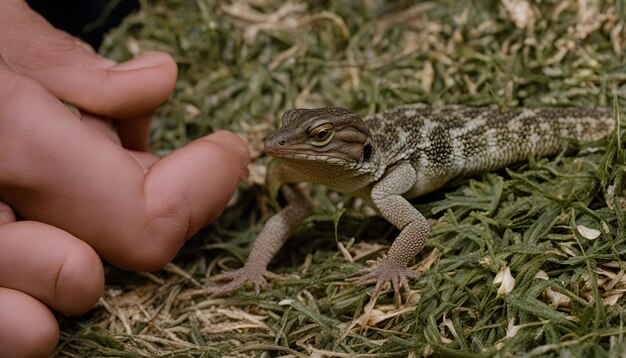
[240,277]
[387,271]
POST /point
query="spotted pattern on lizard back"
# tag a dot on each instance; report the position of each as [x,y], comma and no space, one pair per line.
[445,142]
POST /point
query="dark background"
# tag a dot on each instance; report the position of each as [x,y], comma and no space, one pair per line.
[87,19]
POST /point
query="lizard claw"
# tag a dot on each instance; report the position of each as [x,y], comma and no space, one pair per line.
[387,271]
[239,278]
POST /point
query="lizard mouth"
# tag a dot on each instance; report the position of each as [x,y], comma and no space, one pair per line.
[304,157]
[277,148]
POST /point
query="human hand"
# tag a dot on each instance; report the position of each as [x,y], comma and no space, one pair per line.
[83,188]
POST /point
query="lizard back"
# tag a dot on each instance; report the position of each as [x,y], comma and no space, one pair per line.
[444,142]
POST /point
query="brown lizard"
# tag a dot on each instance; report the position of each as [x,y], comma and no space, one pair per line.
[396,155]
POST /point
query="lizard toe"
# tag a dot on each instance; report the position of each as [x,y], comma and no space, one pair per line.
[379,285]
[239,278]
[224,289]
[395,283]
[359,274]
[385,272]
[369,278]
[224,276]
[259,284]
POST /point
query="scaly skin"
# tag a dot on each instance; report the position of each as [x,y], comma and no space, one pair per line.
[396,155]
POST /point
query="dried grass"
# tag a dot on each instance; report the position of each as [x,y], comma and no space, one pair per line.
[242,63]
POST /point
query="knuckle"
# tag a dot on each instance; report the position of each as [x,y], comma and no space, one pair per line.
[155,247]
[15,89]
[81,272]
[50,50]
[155,242]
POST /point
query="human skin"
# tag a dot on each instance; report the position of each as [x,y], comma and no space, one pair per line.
[83,184]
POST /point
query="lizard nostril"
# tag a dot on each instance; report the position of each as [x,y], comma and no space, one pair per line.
[282,142]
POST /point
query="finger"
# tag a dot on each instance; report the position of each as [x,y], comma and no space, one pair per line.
[135,134]
[50,265]
[237,145]
[212,165]
[27,327]
[144,159]
[57,170]
[6,214]
[132,134]
[101,126]
[105,127]
[73,72]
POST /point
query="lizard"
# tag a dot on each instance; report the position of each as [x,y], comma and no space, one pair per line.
[390,157]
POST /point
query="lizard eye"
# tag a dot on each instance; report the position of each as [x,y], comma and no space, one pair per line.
[321,134]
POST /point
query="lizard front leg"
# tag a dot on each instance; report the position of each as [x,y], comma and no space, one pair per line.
[414,229]
[272,237]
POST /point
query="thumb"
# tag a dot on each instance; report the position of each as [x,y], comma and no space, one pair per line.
[72,72]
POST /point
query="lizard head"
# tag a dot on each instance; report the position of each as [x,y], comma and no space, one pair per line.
[333,135]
